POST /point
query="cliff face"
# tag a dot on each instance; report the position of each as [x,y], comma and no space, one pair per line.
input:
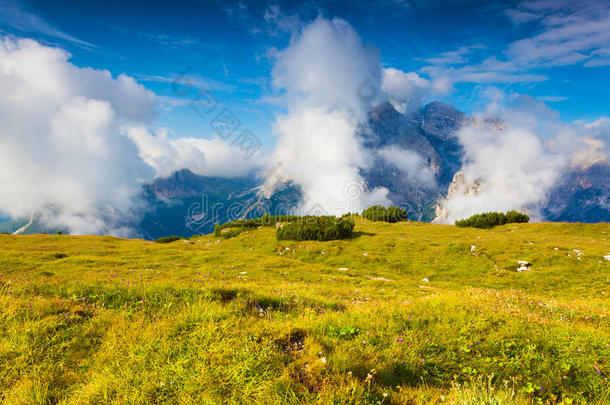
[582,195]
[430,134]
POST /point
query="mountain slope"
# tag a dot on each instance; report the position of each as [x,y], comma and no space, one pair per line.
[430,134]
[582,195]
[186,204]
[363,321]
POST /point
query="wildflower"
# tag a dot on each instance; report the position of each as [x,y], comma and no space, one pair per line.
[364,342]
[323,359]
[385,394]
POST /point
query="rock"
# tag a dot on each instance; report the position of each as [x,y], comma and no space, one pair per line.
[522,268]
[473,248]
[365,254]
[425,280]
[607,258]
[523,265]
[343,268]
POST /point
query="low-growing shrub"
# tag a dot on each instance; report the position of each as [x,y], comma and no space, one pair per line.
[167,239]
[231,233]
[387,214]
[488,220]
[320,228]
[253,223]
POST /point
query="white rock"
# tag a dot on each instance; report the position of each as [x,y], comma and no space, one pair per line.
[473,248]
[522,268]
[555,248]
[523,263]
[425,280]
[607,258]
[365,254]
[287,248]
[343,268]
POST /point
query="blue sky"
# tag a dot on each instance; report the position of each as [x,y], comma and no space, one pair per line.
[550,50]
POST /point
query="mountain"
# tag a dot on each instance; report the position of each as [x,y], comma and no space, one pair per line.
[430,134]
[582,195]
[186,204]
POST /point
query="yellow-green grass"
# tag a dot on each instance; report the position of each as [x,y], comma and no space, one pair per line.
[253,320]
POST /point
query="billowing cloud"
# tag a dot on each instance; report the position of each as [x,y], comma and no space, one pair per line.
[516,149]
[410,164]
[207,157]
[75,146]
[328,80]
[63,152]
[408,91]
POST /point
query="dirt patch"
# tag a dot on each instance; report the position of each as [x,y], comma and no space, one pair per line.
[292,343]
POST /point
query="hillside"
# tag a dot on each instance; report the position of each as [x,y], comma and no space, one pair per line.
[401,313]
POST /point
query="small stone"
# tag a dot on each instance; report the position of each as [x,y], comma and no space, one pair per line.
[425,280]
[343,268]
[473,248]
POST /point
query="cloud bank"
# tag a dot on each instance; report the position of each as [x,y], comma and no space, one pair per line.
[516,149]
[74,143]
[319,76]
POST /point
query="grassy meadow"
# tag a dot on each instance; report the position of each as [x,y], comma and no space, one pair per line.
[402,313]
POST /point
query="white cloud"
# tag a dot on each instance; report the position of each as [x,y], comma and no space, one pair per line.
[410,163]
[409,91]
[63,153]
[571,33]
[207,157]
[516,149]
[15,16]
[319,76]
[74,143]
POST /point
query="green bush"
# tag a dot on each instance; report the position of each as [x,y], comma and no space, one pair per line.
[167,239]
[320,228]
[488,220]
[389,214]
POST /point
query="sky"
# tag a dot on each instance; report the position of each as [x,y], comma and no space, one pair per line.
[557,53]
[99,98]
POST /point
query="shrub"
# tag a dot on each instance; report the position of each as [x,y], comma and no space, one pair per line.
[488,220]
[320,228]
[389,214]
[217,230]
[167,239]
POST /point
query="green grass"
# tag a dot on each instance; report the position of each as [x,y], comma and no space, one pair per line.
[253,320]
